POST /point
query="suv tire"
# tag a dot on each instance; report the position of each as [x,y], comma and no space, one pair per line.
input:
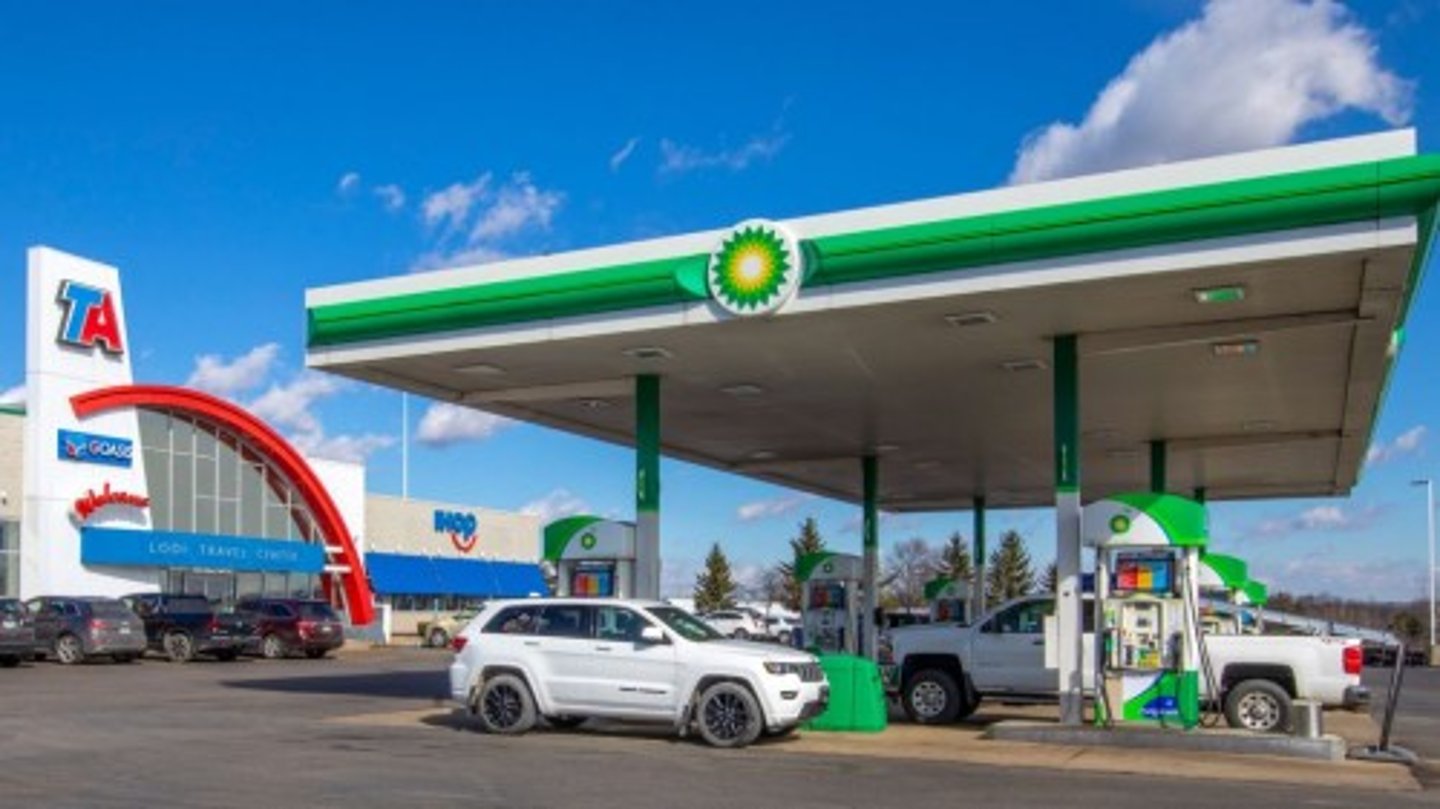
[728,715]
[438,638]
[272,647]
[933,697]
[1258,705]
[69,650]
[504,706]
[179,647]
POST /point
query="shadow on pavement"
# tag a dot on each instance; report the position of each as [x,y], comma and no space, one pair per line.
[423,685]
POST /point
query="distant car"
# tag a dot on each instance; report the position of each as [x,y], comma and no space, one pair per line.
[183,626]
[17,636]
[782,628]
[737,624]
[438,631]
[74,629]
[285,626]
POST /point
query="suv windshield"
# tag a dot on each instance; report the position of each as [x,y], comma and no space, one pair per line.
[685,625]
[11,608]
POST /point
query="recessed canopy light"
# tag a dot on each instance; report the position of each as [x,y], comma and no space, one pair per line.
[1024,365]
[648,353]
[480,369]
[881,449]
[1236,348]
[1122,454]
[963,319]
[762,455]
[1232,293]
[1099,434]
[743,389]
[928,464]
[1258,426]
[594,404]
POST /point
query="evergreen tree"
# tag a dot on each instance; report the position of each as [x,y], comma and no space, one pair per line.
[955,561]
[1009,574]
[806,542]
[715,587]
[1050,582]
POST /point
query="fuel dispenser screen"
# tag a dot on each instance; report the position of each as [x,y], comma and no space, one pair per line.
[827,597]
[1145,574]
[593,581]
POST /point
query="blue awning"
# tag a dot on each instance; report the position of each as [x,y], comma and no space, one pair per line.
[401,574]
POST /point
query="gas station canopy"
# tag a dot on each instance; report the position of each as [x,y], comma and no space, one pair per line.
[1244,310]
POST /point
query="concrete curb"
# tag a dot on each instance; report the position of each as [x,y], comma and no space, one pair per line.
[1325,748]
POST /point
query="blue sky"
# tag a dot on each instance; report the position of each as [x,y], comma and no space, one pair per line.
[228,156]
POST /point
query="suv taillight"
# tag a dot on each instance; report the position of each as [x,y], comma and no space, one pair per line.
[457,643]
[1354,659]
[305,628]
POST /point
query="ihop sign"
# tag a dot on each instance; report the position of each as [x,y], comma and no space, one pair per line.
[461,527]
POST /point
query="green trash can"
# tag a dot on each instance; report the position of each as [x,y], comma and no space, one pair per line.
[857,695]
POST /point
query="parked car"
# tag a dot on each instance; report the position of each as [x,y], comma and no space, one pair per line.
[183,626]
[437,632]
[737,624]
[74,629]
[566,660]
[285,626]
[17,636]
[942,671]
[782,628]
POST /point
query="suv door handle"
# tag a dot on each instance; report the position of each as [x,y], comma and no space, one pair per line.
[532,643]
[602,648]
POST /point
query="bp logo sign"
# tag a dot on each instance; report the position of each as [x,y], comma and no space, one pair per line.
[588,541]
[756,269]
[1119,524]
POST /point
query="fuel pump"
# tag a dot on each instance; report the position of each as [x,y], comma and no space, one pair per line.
[1147,550]
[831,599]
[596,558]
[949,600]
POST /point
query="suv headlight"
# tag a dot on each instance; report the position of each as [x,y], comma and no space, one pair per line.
[781,669]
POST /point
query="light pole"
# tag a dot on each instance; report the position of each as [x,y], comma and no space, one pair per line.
[1430,520]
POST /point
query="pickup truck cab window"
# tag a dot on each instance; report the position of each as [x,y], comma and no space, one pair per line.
[1025,618]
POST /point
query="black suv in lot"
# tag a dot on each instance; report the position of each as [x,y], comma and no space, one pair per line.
[17,636]
[183,626]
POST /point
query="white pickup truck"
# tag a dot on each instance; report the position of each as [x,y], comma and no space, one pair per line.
[943,670]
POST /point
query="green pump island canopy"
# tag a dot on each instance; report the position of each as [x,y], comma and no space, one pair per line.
[1244,310]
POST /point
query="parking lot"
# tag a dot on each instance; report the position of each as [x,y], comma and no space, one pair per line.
[369,728]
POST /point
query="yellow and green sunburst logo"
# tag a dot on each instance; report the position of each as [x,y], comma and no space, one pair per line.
[756,269]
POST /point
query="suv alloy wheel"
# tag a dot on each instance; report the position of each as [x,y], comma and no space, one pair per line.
[504,705]
[728,715]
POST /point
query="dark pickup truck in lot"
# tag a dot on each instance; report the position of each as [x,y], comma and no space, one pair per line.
[183,626]
[17,636]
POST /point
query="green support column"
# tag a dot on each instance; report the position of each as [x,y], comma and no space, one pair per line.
[1067,529]
[870,474]
[978,544]
[1157,466]
[647,486]
[1200,494]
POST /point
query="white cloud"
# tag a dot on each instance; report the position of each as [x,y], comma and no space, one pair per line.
[444,424]
[349,181]
[888,519]
[391,196]
[13,396]
[289,405]
[554,505]
[516,206]
[1246,74]
[1407,443]
[676,158]
[440,259]
[618,159]
[1327,518]
[774,507]
[1322,574]
[451,205]
[349,448]
[213,374]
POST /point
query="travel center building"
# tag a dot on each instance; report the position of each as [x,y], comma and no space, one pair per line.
[1224,328]
[109,488]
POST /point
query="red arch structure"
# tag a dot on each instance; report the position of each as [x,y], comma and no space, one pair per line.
[359,600]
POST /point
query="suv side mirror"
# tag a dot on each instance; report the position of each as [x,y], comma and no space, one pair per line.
[653,634]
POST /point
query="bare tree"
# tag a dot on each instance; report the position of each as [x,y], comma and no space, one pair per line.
[908,566]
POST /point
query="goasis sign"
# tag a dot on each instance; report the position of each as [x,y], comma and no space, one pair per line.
[460,526]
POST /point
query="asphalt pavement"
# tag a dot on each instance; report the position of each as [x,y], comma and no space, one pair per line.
[347,732]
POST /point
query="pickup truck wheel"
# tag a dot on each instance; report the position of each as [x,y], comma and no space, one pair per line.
[1258,705]
[729,715]
[438,638]
[179,647]
[932,697]
[505,706]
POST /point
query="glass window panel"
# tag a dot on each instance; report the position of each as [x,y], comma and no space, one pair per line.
[204,443]
[182,436]
[154,431]
[205,477]
[229,463]
[274,584]
[228,520]
[248,584]
[205,515]
[277,522]
[157,481]
[252,501]
[183,494]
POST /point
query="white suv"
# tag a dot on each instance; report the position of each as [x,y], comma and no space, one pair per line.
[566,660]
[738,624]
